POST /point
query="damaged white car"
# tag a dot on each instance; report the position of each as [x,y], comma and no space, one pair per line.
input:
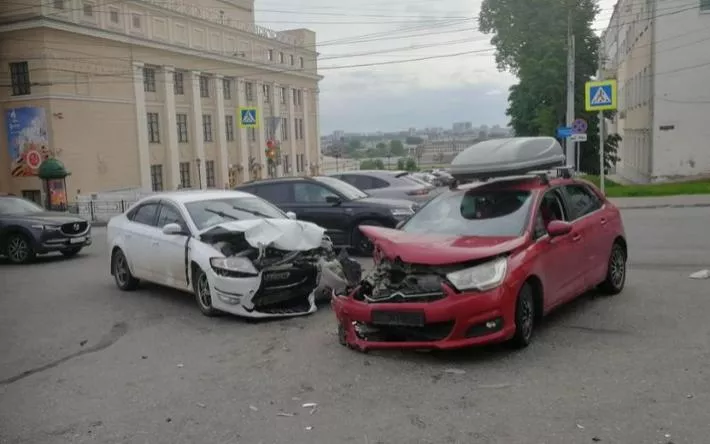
[236,252]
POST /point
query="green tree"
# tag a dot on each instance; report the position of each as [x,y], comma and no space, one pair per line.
[381,150]
[401,164]
[410,165]
[413,140]
[396,148]
[353,146]
[530,37]
[372,164]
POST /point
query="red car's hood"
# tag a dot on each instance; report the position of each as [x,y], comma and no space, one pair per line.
[437,249]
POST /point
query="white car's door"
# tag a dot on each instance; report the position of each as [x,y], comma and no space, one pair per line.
[140,233]
[168,253]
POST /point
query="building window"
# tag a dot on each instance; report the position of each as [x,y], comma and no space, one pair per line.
[209,172]
[113,15]
[153,128]
[284,128]
[299,97]
[149,79]
[227,88]
[705,5]
[300,61]
[88,8]
[204,86]
[58,4]
[156,177]
[295,128]
[287,165]
[20,78]
[300,127]
[229,127]
[136,21]
[185,175]
[270,55]
[182,127]
[281,58]
[282,93]
[267,94]
[249,91]
[252,134]
[207,127]
[292,60]
[179,83]
[295,98]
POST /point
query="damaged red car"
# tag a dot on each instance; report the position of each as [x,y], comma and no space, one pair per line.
[483,263]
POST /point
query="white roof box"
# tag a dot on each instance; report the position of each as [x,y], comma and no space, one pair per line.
[507,157]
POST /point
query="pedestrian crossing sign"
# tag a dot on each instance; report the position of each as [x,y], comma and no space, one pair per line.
[248,117]
[600,96]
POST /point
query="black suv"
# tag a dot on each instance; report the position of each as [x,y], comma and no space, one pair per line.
[334,205]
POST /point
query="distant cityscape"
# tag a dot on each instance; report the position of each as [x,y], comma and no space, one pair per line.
[430,147]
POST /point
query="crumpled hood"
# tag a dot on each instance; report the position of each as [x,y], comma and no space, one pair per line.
[416,248]
[283,234]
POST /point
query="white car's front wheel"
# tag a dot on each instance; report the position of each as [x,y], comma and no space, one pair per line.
[122,272]
[203,293]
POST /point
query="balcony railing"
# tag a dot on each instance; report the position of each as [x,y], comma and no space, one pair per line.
[181,7]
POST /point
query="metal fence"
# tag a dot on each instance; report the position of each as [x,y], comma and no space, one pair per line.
[99,210]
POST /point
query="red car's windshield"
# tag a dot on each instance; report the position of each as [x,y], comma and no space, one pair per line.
[486,213]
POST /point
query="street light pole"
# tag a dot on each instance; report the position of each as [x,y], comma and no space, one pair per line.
[199,172]
[569,146]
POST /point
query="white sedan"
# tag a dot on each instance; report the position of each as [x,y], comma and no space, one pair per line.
[236,252]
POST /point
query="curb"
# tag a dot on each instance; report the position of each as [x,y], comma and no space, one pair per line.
[654,207]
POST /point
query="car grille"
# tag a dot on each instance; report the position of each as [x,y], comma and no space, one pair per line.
[434,331]
[74,228]
[285,287]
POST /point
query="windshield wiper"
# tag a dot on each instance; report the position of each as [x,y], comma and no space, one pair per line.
[221,214]
[253,212]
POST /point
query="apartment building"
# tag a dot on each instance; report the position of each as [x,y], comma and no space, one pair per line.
[148,94]
[658,51]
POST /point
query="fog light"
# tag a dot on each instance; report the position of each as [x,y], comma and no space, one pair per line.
[490,324]
[227,299]
[485,328]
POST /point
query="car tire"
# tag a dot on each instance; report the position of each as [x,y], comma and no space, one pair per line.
[19,250]
[616,271]
[360,242]
[71,252]
[203,293]
[125,280]
[524,317]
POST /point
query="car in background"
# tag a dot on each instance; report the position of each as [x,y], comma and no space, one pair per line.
[484,262]
[388,184]
[27,229]
[335,205]
[235,252]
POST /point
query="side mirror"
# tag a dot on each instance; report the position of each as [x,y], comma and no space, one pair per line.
[333,200]
[558,228]
[400,224]
[173,229]
[291,215]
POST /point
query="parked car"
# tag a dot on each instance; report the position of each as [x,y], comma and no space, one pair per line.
[387,184]
[484,262]
[335,205]
[235,252]
[27,229]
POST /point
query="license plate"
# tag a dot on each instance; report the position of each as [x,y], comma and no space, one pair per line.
[77,240]
[398,318]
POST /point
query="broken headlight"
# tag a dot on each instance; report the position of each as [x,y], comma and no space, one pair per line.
[486,276]
[236,267]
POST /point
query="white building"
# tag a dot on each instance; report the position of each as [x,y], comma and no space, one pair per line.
[659,52]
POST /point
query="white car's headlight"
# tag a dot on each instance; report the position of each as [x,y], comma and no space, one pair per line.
[402,212]
[481,277]
[234,266]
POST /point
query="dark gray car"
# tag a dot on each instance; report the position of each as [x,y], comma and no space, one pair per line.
[388,184]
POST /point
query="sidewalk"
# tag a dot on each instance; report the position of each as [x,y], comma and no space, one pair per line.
[632,203]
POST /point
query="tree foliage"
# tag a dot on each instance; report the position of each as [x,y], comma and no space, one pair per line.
[372,164]
[530,37]
[396,148]
[413,140]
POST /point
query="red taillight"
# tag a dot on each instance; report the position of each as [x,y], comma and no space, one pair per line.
[419,192]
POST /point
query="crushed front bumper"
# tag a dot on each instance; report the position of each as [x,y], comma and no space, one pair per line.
[457,320]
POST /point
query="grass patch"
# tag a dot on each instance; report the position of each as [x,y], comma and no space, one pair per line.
[614,189]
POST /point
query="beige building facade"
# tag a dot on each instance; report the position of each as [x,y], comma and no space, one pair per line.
[150,95]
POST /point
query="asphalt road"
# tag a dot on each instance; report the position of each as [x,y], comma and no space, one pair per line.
[81,362]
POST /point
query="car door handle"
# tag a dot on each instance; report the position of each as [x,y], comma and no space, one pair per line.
[603,221]
[576,237]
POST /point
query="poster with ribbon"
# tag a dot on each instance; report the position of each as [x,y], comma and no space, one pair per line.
[27,140]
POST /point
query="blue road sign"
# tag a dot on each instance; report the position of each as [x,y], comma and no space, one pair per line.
[579,126]
[600,96]
[564,132]
[248,117]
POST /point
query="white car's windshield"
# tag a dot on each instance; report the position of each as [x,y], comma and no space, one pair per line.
[485,213]
[208,213]
[344,188]
[15,205]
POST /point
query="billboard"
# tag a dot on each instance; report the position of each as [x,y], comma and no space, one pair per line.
[27,139]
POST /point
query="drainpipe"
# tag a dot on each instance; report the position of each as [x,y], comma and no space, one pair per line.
[652,101]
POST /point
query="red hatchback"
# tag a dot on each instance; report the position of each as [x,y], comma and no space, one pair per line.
[483,263]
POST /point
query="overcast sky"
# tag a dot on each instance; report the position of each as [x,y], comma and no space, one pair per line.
[396,96]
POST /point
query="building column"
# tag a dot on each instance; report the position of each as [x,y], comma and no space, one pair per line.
[306,131]
[171,135]
[142,128]
[315,156]
[261,130]
[276,112]
[241,133]
[198,135]
[223,161]
[291,131]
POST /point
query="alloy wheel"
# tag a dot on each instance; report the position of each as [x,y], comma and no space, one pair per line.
[121,271]
[203,290]
[18,249]
[527,316]
[617,267]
